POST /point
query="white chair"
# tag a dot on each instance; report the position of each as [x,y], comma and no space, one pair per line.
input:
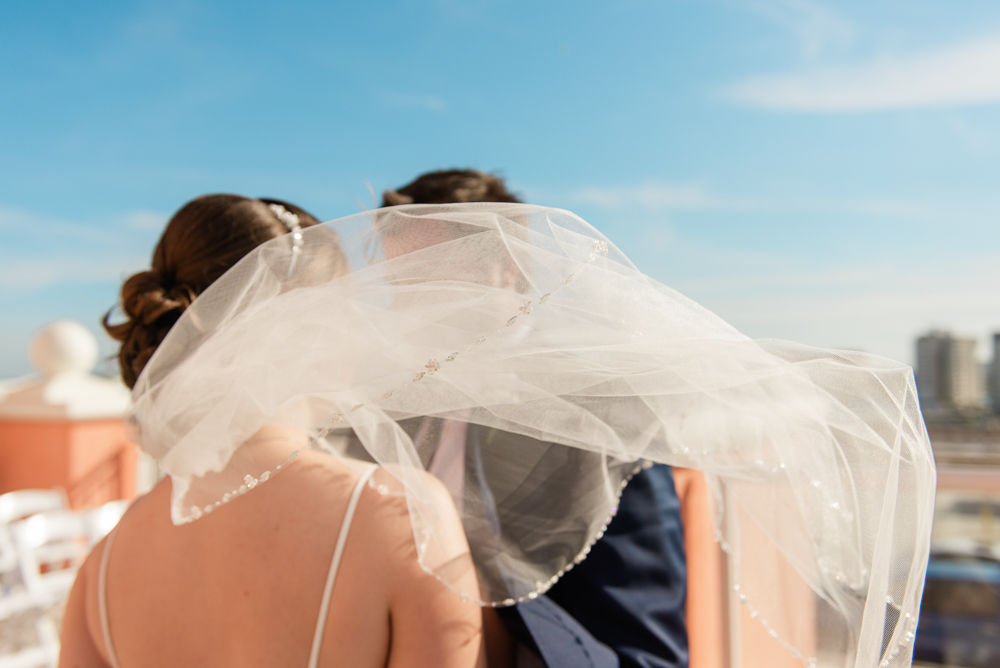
[8,554]
[50,546]
[49,549]
[10,576]
[44,653]
[26,502]
[100,521]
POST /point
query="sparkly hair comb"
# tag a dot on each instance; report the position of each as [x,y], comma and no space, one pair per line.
[291,223]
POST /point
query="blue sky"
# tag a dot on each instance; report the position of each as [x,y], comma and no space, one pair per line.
[825,172]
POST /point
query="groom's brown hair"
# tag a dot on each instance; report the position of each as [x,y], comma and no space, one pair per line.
[451,186]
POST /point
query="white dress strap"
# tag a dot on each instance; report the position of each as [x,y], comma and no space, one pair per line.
[102,599]
[331,577]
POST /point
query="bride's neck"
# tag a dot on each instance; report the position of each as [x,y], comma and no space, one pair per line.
[273,434]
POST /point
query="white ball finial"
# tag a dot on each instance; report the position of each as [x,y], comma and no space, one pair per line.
[64,347]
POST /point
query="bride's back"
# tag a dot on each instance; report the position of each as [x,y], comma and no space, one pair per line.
[244,585]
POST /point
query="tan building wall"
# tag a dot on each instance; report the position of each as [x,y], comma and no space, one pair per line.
[948,374]
[92,460]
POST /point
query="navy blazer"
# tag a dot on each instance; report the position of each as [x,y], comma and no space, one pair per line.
[623,606]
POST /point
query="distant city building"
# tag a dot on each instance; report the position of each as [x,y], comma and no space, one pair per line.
[994,376]
[948,375]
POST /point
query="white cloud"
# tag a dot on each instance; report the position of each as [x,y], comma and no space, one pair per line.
[424,102]
[662,196]
[63,268]
[878,307]
[146,220]
[654,195]
[40,252]
[815,26]
[463,10]
[19,223]
[888,208]
[789,291]
[960,74]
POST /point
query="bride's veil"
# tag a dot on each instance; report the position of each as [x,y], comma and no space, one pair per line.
[515,352]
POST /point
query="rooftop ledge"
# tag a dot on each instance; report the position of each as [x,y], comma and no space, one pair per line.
[64,353]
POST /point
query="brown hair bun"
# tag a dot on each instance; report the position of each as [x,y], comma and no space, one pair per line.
[200,243]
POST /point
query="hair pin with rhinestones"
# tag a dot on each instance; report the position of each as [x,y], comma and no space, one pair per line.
[291,223]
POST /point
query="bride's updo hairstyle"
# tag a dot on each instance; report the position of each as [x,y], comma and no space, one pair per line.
[202,241]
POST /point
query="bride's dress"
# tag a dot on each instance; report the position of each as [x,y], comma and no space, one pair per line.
[571,368]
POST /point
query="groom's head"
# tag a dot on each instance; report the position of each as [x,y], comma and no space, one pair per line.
[450,186]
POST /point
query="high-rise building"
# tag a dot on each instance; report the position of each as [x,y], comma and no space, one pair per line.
[930,363]
[994,376]
[948,375]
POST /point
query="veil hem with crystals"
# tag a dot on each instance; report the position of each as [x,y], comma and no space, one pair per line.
[515,352]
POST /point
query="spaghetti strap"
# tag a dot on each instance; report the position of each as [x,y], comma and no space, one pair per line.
[102,599]
[331,577]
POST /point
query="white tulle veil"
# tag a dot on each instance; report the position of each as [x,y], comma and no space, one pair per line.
[517,353]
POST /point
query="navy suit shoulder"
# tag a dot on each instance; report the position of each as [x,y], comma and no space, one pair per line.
[629,593]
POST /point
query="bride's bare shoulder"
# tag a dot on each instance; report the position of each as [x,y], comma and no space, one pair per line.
[385,517]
